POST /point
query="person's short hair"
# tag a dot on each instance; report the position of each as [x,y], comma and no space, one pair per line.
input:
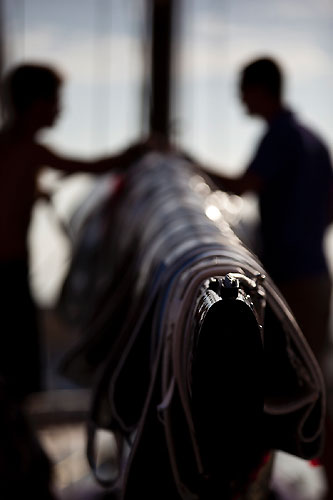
[27,83]
[265,73]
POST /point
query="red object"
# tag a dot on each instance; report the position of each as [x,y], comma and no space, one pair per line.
[315,462]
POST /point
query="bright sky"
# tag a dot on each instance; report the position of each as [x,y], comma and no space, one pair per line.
[219,37]
[99,50]
[98,46]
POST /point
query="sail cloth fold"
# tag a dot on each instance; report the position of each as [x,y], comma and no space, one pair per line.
[196,363]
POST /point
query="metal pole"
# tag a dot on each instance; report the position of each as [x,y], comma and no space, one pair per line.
[161,39]
[2,56]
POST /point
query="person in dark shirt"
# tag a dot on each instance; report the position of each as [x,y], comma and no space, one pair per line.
[294,168]
[291,172]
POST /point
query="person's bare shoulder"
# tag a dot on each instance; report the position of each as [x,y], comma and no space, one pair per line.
[19,153]
[39,152]
[41,156]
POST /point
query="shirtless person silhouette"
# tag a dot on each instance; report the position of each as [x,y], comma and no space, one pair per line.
[31,101]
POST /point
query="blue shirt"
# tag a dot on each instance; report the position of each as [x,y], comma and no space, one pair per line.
[295,167]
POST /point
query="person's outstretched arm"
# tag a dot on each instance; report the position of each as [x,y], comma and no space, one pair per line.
[248,181]
[48,158]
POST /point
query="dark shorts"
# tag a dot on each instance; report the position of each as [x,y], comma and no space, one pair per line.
[20,359]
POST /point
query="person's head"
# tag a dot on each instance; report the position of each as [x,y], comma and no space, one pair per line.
[32,90]
[261,87]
